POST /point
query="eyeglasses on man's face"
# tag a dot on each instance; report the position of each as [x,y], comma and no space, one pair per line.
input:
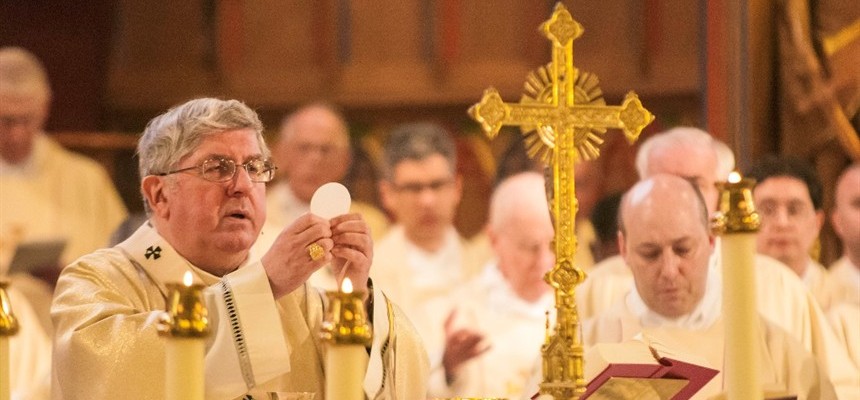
[415,188]
[219,169]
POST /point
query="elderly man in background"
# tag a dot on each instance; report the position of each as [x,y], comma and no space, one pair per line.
[313,149]
[80,202]
[203,167]
[493,336]
[48,193]
[782,297]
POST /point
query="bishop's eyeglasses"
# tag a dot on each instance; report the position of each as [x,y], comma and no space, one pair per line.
[220,169]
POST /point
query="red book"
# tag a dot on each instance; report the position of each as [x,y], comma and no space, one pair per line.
[639,370]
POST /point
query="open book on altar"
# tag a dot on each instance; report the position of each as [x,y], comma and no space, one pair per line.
[637,370]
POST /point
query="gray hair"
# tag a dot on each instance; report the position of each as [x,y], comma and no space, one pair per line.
[686,135]
[171,136]
[22,75]
[416,142]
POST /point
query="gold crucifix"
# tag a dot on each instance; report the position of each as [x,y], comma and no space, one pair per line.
[563,117]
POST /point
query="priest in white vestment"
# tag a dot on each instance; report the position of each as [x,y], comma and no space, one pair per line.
[846,222]
[676,299]
[781,295]
[845,314]
[204,165]
[47,192]
[489,343]
[790,199]
[313,149]
[422,257]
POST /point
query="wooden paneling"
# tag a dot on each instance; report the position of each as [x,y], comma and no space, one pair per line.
[377,54]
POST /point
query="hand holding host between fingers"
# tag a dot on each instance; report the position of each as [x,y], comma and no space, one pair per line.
[299,250]
[353,249]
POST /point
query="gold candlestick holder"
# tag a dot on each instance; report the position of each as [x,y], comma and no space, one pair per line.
[347,334]
[8,322]
[185,324]
[346,319]
[185,314]
[737,223]
[736,211]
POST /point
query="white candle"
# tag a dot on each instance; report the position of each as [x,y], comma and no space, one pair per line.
[742,365]
[184,347]
[185,368]
[346,361]
[346,365]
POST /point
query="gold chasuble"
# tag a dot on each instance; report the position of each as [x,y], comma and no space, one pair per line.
[563,116]
[106,311]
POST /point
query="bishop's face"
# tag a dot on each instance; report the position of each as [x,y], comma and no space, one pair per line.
[668,251]
[213,224]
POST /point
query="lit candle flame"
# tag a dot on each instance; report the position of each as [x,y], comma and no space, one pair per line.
[734,177]
[346,286]
[187,280]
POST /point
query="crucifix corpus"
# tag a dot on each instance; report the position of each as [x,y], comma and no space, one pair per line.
[563,117]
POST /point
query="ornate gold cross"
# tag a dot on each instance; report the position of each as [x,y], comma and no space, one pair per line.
[563,117]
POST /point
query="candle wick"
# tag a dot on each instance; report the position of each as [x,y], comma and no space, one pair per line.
[342,274]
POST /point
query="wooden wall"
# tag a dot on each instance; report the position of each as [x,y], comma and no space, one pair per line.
[384,62]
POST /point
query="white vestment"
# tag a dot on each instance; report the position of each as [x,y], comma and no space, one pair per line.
[106,345]
[845,318]
[847,278]
[512,327]
[782,299]
[412,277]
[822,287]
[57,193]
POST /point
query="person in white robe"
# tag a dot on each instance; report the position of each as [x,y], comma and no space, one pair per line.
[48,192]
[313,149]
[790,199]
[845,314]
[204,165]
[676,299]
[496,326]
[845,219]
[29,352]
[422,257]
[781,295]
